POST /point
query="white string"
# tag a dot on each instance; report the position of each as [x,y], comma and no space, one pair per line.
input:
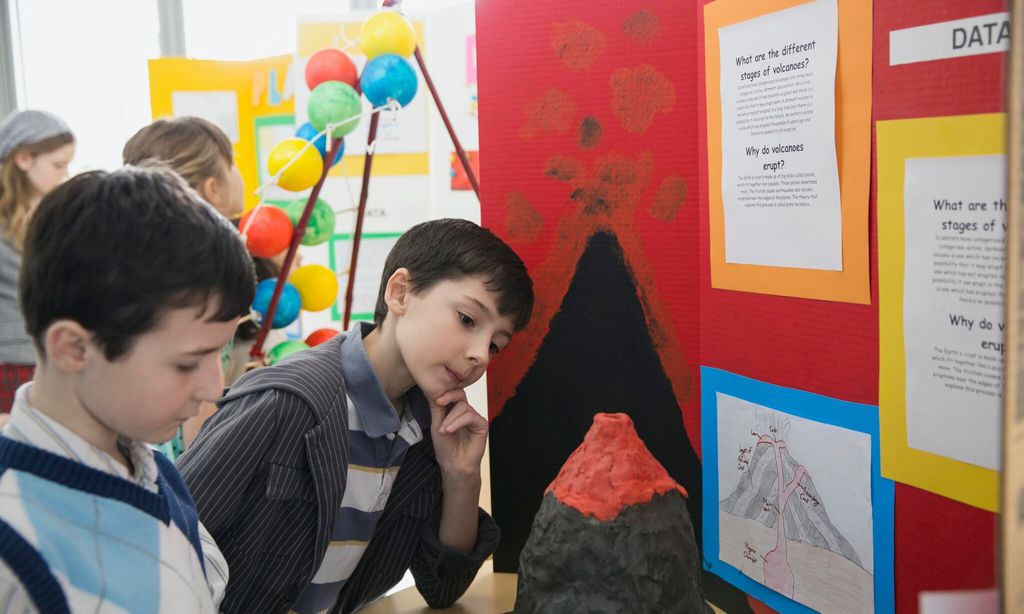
[343,42]
[244,230]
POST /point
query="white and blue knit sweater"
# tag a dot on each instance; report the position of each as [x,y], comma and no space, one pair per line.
[81,540]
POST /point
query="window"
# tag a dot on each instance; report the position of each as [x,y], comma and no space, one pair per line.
[230,30]
[86,62]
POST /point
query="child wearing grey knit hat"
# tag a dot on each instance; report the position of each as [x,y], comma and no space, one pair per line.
[35,149]
[28,127]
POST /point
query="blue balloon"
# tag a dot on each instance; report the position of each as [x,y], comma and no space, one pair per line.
[306,132]
[287,306]
[388,76]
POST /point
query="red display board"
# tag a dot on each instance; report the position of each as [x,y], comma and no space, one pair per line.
[591,117]
[929,528]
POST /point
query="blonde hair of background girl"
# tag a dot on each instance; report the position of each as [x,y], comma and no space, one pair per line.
[18,196]
[197,150]
[202,154]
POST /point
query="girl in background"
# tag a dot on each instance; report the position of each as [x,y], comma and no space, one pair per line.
[35,150]
[197,150]
[202,154]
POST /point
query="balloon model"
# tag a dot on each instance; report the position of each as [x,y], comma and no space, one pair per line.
[388,77]
[321,223]
[317,286]
[331,65]
[308,133]
[387,32]
[334,103]
[283,349]
[268,231]
[297,163]
[287,306]
[300,166]
[320,335]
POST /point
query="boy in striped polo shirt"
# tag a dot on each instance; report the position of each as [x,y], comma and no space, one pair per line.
[131,284]
[328,475]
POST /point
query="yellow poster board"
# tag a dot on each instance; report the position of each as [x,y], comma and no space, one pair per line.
[236,96]
[898,141]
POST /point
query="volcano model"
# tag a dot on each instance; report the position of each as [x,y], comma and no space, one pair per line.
[613,533]
[598,354]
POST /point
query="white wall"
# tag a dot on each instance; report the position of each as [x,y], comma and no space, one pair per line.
[86,62]
[446,60]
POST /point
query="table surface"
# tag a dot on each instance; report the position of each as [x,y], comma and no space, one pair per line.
[490,593]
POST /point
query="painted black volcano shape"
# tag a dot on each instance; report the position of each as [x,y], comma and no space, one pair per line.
[597,357]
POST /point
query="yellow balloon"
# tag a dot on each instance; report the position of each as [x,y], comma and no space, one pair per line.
[387,32]
[304,172]
[317,286]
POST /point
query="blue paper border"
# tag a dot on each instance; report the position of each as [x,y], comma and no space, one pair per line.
[853,416]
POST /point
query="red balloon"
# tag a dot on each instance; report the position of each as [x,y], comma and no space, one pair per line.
[269,233]
[331,65]
[319,336]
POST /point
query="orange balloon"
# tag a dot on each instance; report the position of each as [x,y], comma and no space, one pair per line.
[268,233]
[320,335]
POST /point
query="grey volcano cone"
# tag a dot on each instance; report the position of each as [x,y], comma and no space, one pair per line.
[644,560]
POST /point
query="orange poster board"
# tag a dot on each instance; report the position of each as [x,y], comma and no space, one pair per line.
[853,153]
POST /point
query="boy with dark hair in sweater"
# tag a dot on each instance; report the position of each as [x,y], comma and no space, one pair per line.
[130,287]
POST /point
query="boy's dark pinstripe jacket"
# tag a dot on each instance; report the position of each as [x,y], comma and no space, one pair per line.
[268,473]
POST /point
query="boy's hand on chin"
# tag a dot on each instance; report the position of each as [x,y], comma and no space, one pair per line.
[459,435]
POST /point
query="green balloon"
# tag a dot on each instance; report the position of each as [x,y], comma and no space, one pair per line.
[333,102]
[283,349]
[321,221]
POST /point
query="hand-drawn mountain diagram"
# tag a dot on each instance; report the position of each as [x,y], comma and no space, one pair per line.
[774,523]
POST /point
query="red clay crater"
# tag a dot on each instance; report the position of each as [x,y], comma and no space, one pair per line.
[610,470]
